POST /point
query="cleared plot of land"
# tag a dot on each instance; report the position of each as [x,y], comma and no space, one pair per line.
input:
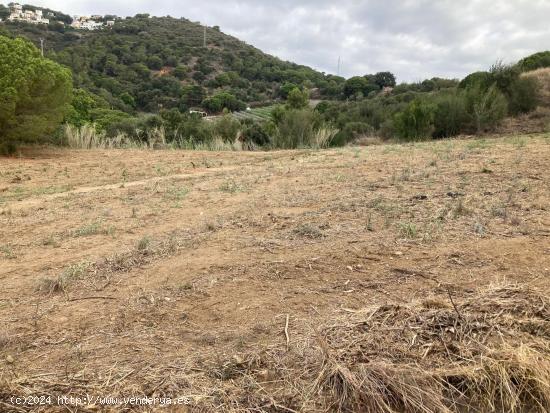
[402,277]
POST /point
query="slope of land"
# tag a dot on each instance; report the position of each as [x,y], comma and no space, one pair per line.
[146,63]
[400,277]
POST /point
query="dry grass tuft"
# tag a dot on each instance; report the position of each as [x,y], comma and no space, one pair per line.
[473,354]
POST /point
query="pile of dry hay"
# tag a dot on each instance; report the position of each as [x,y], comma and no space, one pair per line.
[486,352]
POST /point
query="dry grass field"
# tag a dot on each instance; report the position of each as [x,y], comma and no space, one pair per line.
[390,278]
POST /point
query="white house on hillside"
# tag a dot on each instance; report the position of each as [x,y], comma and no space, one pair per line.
[87,23]
[29,16]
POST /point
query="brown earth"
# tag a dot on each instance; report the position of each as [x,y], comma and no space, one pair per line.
[189,274]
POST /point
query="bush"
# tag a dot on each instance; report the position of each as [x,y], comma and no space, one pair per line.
[535,61]
[297,99]
[524,95]
[227,128]
[296,129]
[450,116]
[181,72]
[350,132]
[486,108]
[221,101]
[504,77]
[255,133]
[476,79]
[104,119]
[416,121]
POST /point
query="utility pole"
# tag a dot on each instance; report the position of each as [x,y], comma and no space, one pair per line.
[204,38]
[338,72]
[42,46]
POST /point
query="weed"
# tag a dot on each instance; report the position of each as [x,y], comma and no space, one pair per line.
[479,229]
[177,193]
[369,225]
[308,231]
[89,229]
[499,211]
[408,230]
[8,252]
[144,243]
[230,186]
[460,210]
[62,281]
[50,242]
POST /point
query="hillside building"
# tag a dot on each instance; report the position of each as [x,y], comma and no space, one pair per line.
[86,23]
[28,16]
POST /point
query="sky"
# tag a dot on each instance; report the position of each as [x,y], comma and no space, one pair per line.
[414,39]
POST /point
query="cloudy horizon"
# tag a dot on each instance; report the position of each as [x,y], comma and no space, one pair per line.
[413,39]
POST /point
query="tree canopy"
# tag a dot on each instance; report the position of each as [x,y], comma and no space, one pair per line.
[34,93]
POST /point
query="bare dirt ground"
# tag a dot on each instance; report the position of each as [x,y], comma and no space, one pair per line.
[356,279]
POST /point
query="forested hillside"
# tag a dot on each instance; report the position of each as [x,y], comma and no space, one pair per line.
[148,63]
[137,79]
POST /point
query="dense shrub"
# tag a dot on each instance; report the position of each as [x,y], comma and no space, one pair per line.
[227,128]
[477,79]
[351,131]
[535,61]
[221,101]
[297,99]
[416,121]
[504,76]
[524,95]
[296,129]
[486,107]
[255,133]
[450,116]
[104,119]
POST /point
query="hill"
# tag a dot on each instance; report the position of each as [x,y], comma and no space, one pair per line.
[145,63]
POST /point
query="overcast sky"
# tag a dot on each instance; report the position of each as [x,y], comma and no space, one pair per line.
[415,39]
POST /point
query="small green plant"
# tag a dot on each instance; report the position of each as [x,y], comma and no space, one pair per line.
[87,230]
[8,252]
[50,241]
[479,229]
[143,244]
[460,209]
[369,225]
[62,281]
[408,230]
[230,186]
[177,193]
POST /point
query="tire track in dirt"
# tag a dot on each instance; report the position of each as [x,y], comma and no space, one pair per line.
[34,201]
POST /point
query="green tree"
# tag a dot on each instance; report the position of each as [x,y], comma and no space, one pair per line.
[298,99]
[81,107]
[4,12]
[34,93]
[355,85]
[384,79]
